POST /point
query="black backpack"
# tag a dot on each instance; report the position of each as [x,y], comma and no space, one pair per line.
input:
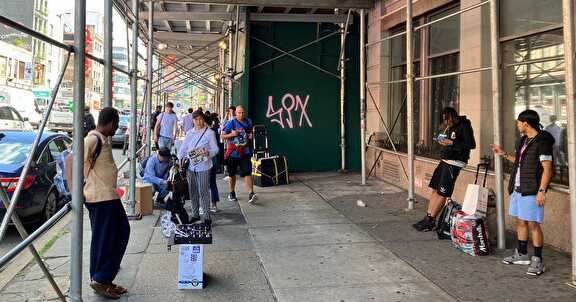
[445,218]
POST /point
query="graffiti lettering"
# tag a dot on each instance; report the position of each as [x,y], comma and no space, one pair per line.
[283,115]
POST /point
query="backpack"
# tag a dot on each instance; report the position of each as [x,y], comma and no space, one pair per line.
[230,146]
[445,218]
[68,164]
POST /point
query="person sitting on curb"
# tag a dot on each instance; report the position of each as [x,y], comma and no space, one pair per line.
[156,173]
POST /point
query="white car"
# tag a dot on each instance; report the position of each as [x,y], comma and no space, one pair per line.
[10,119]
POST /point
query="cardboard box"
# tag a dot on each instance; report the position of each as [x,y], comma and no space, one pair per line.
[190,266]
[144,202]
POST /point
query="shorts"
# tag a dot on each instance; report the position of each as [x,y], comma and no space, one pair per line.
[239,166]
[444,179]
[525,208]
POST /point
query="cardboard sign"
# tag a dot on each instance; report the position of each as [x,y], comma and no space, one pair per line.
[190,266]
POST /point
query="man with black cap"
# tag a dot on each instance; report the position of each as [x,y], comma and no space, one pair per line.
[528,186]
[156,172]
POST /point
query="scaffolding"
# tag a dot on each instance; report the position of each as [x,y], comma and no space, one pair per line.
[183,74]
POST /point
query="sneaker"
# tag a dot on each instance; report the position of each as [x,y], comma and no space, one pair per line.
[536,267]
[517,258]
[425,225]
[214,209]
[252,197]
[232,197]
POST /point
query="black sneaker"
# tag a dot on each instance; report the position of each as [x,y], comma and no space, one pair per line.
[425,225]
[232,197]
[252,197]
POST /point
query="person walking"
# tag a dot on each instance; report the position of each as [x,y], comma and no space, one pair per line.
[531,176]
[456,140]
[198,148]
[108,220]
[187,121]
[165,129]
[88,123]
[238,133]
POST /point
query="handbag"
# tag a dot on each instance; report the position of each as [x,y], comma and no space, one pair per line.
[476,198]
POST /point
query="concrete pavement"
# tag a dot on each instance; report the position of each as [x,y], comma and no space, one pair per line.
[309,241]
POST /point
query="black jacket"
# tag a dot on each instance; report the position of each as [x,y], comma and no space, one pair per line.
[531,168]
[462,136]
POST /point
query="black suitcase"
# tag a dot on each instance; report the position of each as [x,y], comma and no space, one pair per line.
[270,171]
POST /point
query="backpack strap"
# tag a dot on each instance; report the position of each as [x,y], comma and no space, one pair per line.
[96,153]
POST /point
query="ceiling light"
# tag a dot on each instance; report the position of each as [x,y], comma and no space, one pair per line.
[162,46]
[223,44]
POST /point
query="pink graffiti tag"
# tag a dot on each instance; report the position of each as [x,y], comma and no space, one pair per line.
[290,103]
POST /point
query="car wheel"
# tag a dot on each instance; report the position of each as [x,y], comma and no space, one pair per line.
[50,207]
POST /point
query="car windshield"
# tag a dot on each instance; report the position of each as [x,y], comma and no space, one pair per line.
[13,152]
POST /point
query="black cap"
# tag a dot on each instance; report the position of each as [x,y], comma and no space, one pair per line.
[165,152]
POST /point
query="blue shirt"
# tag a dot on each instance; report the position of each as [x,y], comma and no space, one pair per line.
[156,172]
[187,122]
[167,124]
[195,140]
[241,140]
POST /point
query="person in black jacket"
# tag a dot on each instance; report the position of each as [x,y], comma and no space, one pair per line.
[88,123]
[457,140]
[528,185]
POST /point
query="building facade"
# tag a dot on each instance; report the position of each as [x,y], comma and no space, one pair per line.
[532,52]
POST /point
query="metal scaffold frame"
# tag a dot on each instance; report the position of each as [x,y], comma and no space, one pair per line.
[495,69]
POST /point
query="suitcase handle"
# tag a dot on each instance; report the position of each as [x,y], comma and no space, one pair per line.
[486,166]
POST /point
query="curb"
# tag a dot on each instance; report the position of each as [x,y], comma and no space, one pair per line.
[25,258]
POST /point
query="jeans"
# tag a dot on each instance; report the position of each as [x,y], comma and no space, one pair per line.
[165,142]
[214,186]
[162,191]
[110,235]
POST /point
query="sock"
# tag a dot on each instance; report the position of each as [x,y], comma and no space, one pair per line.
[430,217]
[523,247]
[538,251]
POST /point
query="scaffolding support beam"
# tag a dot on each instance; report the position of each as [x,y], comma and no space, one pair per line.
[496,109]
[78,151]
[568,20]
[108,38]
[342,68]
[150,78]
[363,95]
[133,111]
[410,102]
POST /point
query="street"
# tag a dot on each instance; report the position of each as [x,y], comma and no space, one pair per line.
[12,238]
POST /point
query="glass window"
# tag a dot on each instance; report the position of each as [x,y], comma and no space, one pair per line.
[3,67]
[537,85]
[444,92]
[45,157]
[56,148]
[5,113]
[444,35]
[15,115]
[12,151]
[529,15]
[398,46]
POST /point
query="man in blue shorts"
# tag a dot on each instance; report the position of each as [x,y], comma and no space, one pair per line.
[238,133]
[528,186]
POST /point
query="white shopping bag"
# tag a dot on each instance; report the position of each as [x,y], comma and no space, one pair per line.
[476,200]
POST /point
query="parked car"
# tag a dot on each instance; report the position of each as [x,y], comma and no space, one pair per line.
[39,199]
[10,119]
[120,136]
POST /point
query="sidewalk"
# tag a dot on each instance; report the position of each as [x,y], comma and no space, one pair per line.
[309,241]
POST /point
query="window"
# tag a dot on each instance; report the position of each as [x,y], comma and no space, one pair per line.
[3,67]
[21,70]
[524,16]
[5,113]
[45,157]
[539,86]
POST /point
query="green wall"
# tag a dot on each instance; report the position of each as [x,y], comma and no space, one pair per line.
[313,146]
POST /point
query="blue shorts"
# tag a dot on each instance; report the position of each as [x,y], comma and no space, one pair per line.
[526,208]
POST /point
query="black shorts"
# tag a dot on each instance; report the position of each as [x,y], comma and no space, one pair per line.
[239,166]
[444,179]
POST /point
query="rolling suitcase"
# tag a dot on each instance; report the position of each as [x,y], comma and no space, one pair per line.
[267,170]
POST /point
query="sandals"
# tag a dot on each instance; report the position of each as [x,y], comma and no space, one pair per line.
[110,291]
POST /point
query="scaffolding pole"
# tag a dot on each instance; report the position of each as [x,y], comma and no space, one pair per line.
[568,20]
[133,111]
[363,95]
[410,102]
[230,67]
[496,109]
[342,67]
[78,151]
[108,38]
[150,78]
